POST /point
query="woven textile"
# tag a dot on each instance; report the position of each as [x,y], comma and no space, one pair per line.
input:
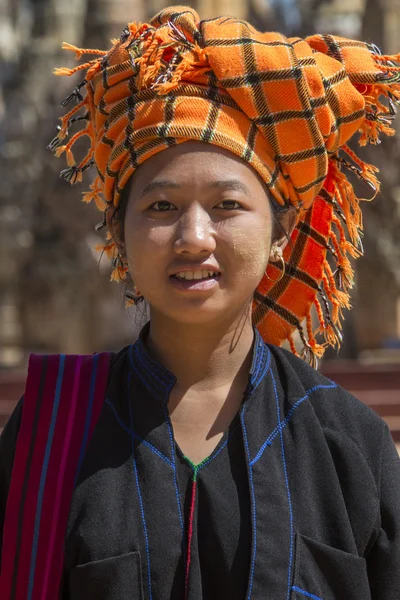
[286,106]
[63,398]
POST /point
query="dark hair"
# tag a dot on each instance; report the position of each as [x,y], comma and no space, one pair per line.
[119,215]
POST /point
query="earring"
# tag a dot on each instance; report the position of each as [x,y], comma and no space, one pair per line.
[278,255]
[133,298]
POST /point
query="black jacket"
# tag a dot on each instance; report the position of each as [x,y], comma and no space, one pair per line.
[300,499]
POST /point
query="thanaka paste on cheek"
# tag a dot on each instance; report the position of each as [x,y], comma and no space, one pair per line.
[146,254]
[251,252]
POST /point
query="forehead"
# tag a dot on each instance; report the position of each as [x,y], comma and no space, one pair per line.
[196,163]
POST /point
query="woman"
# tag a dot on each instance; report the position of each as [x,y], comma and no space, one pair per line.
[215,464]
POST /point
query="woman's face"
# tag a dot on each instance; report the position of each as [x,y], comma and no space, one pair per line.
[196,207]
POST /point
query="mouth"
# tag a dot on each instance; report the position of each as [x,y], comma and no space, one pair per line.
[195,281]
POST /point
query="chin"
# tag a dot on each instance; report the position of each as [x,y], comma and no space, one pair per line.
[194,311]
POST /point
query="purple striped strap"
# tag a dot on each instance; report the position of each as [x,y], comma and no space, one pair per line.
[63,399]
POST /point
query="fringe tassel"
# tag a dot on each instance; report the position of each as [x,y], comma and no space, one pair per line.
[339,297]
[328,316]
[320,315]
[119,272]
[378,116]
[327,328]
[187,67]
[95,194]
[170,49]
[68,117]
[72,175]
[109,248]
[343,262]
[64,71]
[70,156]
[345,246]
[86,161]
[292,345]
[316,349]
[76,95]
[347,200]
[384,57]
[79,52]
[145,63]
[66,121]
[311,350]
[364,171]
[56,141]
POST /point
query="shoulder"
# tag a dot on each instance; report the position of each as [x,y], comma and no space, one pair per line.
[343,418]
[63,369]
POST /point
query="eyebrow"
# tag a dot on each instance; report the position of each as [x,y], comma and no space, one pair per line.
[231,184]
[227,184]
[158,184]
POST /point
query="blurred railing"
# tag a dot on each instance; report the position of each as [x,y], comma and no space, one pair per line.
[376,385]
[12,385]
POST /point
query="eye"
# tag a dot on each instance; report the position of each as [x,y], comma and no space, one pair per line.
[163,206]
[230,205]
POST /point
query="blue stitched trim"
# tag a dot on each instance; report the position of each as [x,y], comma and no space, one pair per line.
[146,537]
[158,377]
[265,362]
[275,432]
[138,437]
[163,399]
[173,455]
[153,383]
[257,358]
[139,374]
[304,593]
[287,488]
[253,501]
[210,458]
[161,371]
[255,378]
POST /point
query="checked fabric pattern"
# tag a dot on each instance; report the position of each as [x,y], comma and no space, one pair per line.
[286,106]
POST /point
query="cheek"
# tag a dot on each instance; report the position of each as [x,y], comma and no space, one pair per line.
[145,245]
[251,248]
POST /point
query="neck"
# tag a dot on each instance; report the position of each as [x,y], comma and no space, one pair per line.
[203,356]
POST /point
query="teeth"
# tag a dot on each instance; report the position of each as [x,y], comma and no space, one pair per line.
[189,275]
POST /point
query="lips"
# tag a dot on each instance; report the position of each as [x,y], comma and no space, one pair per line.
[195,285]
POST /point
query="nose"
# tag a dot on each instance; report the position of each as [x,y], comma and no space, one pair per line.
[195,232]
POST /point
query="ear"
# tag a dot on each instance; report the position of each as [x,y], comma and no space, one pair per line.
[115,227]
[282,231]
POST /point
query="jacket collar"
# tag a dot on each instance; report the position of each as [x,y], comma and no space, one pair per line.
[160,380]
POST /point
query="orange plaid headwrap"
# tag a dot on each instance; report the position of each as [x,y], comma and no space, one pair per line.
[287,106]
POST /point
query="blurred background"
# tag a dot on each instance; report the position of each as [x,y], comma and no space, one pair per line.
[55,295]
